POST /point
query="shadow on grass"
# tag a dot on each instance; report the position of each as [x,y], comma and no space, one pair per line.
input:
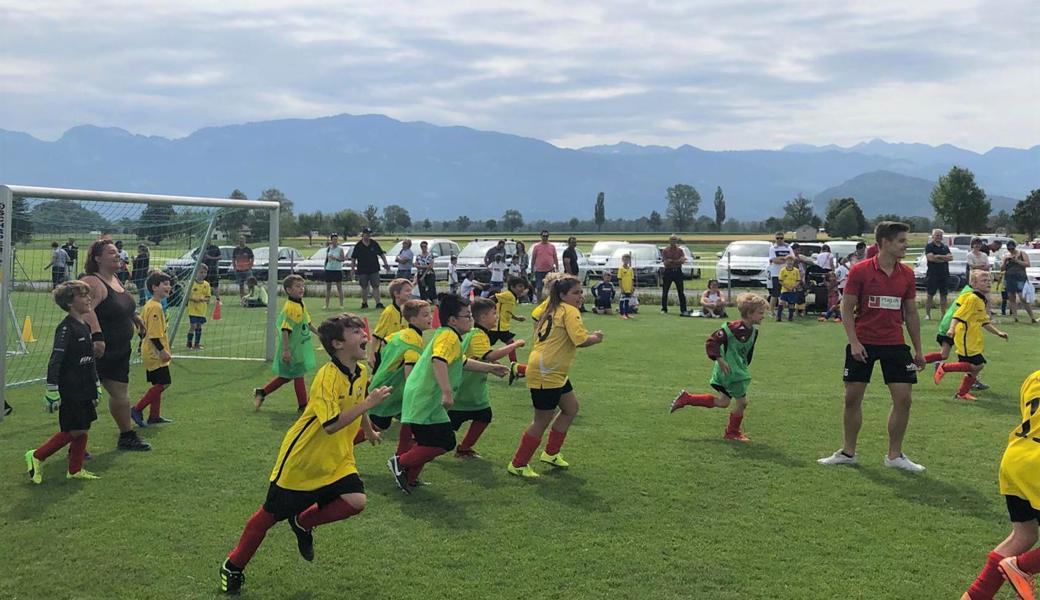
[923,489]
[563,487]
[752,451]
[479,471]
[55,489]
[441,508]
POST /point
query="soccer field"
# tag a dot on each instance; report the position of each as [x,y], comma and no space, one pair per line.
[656,505]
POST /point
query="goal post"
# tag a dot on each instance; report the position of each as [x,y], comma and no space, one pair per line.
[33,217]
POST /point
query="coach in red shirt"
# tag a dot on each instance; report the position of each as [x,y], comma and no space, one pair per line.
[881,295]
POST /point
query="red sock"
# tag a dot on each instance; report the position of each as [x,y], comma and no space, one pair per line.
[702,400]
[512,355]
[149,398]
[360,437]
[271,386]
[966,383]
[252,537]
[57,442]
[77,450]
[521,370]
[301,391]
[1029,561]
[525,451]
[933,357]
[989,580]
[337,510]
[415,459]
[734,423]
[957,367]
[473,434]
[555,442]
[413,474]
[405,442]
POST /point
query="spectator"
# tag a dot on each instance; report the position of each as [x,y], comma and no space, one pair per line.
[364,263]
[124,258]
[405,260]
[976,259]
[335,256]
[778,252]
[570,263]
[73,252]
[543,262]
[469,285]
[989,249]
[825,259]
[425,273]
[59,265]
[139,273]
[453,275]
[673,258]
[1014,266]
[498,249]
[937,277]
[712,303]
[242,262]
[860,253]
[211,258]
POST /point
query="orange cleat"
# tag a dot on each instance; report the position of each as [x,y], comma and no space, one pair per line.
[967,397]
[940,371]
[1020,581]
[736,436]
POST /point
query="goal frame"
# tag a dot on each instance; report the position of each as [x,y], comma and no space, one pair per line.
[8,194]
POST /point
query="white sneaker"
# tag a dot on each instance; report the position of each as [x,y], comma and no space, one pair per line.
[838,458]
[904,463]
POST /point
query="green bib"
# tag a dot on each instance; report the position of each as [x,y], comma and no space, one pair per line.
[472,393]
[737,356]
[422,396]
[944,324]
[391,354]
[300,347]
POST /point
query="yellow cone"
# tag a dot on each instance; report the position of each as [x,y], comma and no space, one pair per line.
[27,332]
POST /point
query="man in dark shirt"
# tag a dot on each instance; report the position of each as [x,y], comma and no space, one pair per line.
[938,275]
[72,250]
[673,258]
[242,260]
[496,250]
[364,262]
[570,262]
[211,258]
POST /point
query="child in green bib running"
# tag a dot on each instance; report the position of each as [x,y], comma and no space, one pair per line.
[430,389]
[294,351]
[399,355]
[731,347]
[945,341]
[472,400]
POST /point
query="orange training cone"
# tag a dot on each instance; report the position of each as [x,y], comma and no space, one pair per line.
[436,318]
[27,331]
[216,311]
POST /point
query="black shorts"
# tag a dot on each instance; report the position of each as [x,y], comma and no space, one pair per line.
[333,276]
[936,283]
[76,414]
[943,339]
[57,276]
[897,364]
[114,366]
[283,503]
[1020,510]
[213,278]
[436,435]
[774,287]
[505,337]
[600,303]
[160,376]
[549,398]
[383,423]
[458,417]
[974,359]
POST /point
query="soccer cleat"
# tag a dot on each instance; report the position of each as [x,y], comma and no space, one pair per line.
[679,402]
[158,420]
[400,475]
[199,347]
[664,311]
[379,305]
[8,409]
[33,467]
[467,453]
[364,306]
[736,436]
[978,385]
[231,581]
[81,474]
[524,471]
[138,417]
[258,397]
[512,372]
[304,539]
[904,463]
[555,460]
[1020,581]
[132,442]
[967,397]
[189,346]
[838,458]
[418,483]
[940,371]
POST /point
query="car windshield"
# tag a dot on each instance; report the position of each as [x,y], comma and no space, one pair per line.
[606,248]
[479,249]
[639,253]
[750,250]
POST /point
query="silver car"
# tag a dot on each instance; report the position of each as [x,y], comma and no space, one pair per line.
[471,258]
[744,262]
[314,267]
[287,259]
[442,250]
[646,262]
[601,252]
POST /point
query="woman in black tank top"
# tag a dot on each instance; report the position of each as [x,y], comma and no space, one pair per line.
[113,320]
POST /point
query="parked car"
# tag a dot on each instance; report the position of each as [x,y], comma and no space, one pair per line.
[958,269]
[601,252]
[583,261]
[646,261]
[177,267]
[744,262]
[841,248]
[442,250]
[1033,271]
[689,269]
[287,260]
[314,267]
[471,258]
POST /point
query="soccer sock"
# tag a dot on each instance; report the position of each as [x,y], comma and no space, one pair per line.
[198,336]
[360,437]
[933,357]
[301,391]
[734,422]
[988,583]
[404,439]
[957,367]
[57,442]
[252,537]
[702,400]
[966,383]
[77,450]
[150,398]
[473,434]
[1029,562]
[790,313]
[274,384]
[337,510]
[189,337]
[418,456]
[780,312]
[525,451]
[552,447]
[521,370]
[512,355]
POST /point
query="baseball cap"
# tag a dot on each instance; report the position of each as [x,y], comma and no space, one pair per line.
[366,230]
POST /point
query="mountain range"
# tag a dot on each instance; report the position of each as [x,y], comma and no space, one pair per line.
[437,172]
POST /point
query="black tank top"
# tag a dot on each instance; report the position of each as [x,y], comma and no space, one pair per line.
[115,315]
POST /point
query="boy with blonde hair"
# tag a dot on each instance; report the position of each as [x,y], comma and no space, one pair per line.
[627,282]
[390,320]
[790,278]
[970,318]
[155,351]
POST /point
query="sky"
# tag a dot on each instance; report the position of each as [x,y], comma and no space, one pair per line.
[716,74]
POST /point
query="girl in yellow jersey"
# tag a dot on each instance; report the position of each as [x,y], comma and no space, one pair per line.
[559,333]
[1019,480]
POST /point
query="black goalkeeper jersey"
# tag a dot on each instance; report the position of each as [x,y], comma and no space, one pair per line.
[71,367]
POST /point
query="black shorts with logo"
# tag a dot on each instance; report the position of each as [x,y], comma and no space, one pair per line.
[283,503]
[549,398]
[897,364]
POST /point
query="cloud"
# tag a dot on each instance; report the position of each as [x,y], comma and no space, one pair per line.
[715,73]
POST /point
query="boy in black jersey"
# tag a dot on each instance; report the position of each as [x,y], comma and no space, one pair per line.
[72,384]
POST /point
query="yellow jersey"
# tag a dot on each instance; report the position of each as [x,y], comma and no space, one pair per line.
[408,335]
[556,342]
[626,279]
[968,320]
[154,329]
[1020,468]
[390,320]
[479,345]
[198,299]
[789,278]
[309,457]
[506,309]
[538,310]
[294,313]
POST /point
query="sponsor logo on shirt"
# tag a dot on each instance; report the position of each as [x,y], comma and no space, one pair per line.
[885,302]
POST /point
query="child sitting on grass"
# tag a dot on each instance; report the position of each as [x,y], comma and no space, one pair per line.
[603,294]
[713,305]
[256,295]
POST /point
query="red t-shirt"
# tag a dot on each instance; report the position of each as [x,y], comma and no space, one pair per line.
[872,251]
[879,317]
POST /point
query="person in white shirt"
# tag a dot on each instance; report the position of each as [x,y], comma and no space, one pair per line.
[498,273]
[405,259]
[453,275]
[469,284]
[842,273]
[335,255]
[778,253]
[825,259]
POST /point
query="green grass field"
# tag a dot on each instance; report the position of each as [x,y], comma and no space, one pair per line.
[656,505]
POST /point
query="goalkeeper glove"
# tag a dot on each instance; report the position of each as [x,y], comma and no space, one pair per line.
[51,400]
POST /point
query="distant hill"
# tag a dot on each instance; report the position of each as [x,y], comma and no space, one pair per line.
[885,192]
[442,172]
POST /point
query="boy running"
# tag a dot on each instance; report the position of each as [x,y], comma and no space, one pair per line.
[198,306]
[627,282]
[155,351]
[966,328]
[315,480]
[390,320]
[294,349]
[732,347]
[72,385]
[507,302]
